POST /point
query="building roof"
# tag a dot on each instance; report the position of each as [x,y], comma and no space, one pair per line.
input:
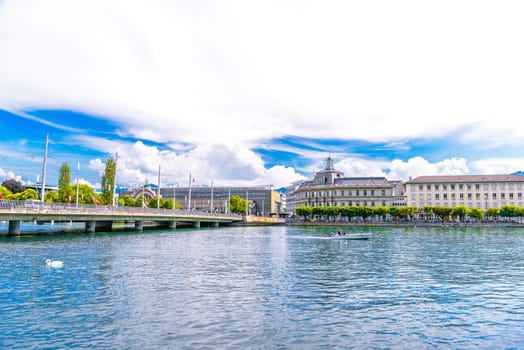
[466,179]
[363,182]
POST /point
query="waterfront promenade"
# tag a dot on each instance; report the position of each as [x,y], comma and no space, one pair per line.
[102,218]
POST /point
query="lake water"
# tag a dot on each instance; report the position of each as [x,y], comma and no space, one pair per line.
[260,287]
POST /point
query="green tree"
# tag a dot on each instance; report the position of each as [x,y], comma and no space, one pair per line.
[318,212]
[14,186]
[28,193]
[304,211]
[108,182]
[381,212]
[51,197]
[168,204]
[493,212]
[85,194]
[153,202]
[442,212]
[64,183]
[460,211]
[394,212]
[6,193]
[128,201]
[332,212]
[237,204]
[476,213]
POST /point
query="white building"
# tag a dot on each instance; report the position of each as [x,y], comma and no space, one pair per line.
[479,191]
[329,188]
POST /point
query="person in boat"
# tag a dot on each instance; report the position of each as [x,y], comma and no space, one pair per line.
[344,233]
[338,233]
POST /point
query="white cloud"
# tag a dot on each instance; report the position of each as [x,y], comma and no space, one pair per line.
[224,164]
[6,175]
[244,71]
[212,80]
[402,170]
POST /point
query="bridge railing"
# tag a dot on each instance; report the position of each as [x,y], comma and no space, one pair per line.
[90,208]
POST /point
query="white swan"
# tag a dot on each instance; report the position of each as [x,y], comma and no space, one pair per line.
[54,263]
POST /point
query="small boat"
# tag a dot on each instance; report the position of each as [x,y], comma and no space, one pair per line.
[356,236]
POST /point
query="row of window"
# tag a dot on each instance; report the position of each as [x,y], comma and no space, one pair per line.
[484,186]
[350,204]
[468,204]
[461,196]
[336,193]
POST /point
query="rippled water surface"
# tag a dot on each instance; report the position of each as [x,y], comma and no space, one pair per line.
[279,287]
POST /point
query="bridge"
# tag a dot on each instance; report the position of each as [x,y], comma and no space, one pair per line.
[101,218]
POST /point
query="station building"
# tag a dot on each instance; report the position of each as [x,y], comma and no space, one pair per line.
[479,191]
[262,200]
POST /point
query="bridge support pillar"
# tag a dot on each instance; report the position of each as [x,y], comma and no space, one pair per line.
[197,224]
[215,224]
[90,226]
[139,225]
[14,227]
[172,224]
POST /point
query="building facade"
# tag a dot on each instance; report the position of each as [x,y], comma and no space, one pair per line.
[330,187]
[472,191]
[263,200]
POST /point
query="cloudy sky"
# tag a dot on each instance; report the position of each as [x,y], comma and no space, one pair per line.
[260,92]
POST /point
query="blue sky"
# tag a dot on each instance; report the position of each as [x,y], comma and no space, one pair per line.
[254,93]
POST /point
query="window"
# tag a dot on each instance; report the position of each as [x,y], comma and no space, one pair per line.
[445,196]
[485,187]
[372,192]
[437,196]
[477,187]
[365,193]
[494,187]
[420,187]
[519,196]
[469,196]
[477,196]
[494,196]
[436,187]
[350,193]
[510,186]
[511,195]
[452,187]
[468,186]
[413,196]
[453,196]
[502,195]
[502,186]
[383,192]
[461,196]
[342,193]
[357,192]
[444,187]
[461,186]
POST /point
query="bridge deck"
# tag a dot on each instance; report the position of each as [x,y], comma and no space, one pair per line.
[17,211]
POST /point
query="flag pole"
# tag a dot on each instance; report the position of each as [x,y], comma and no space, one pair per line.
[44,170]
[189,199]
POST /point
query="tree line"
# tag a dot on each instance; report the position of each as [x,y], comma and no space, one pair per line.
[382,213]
